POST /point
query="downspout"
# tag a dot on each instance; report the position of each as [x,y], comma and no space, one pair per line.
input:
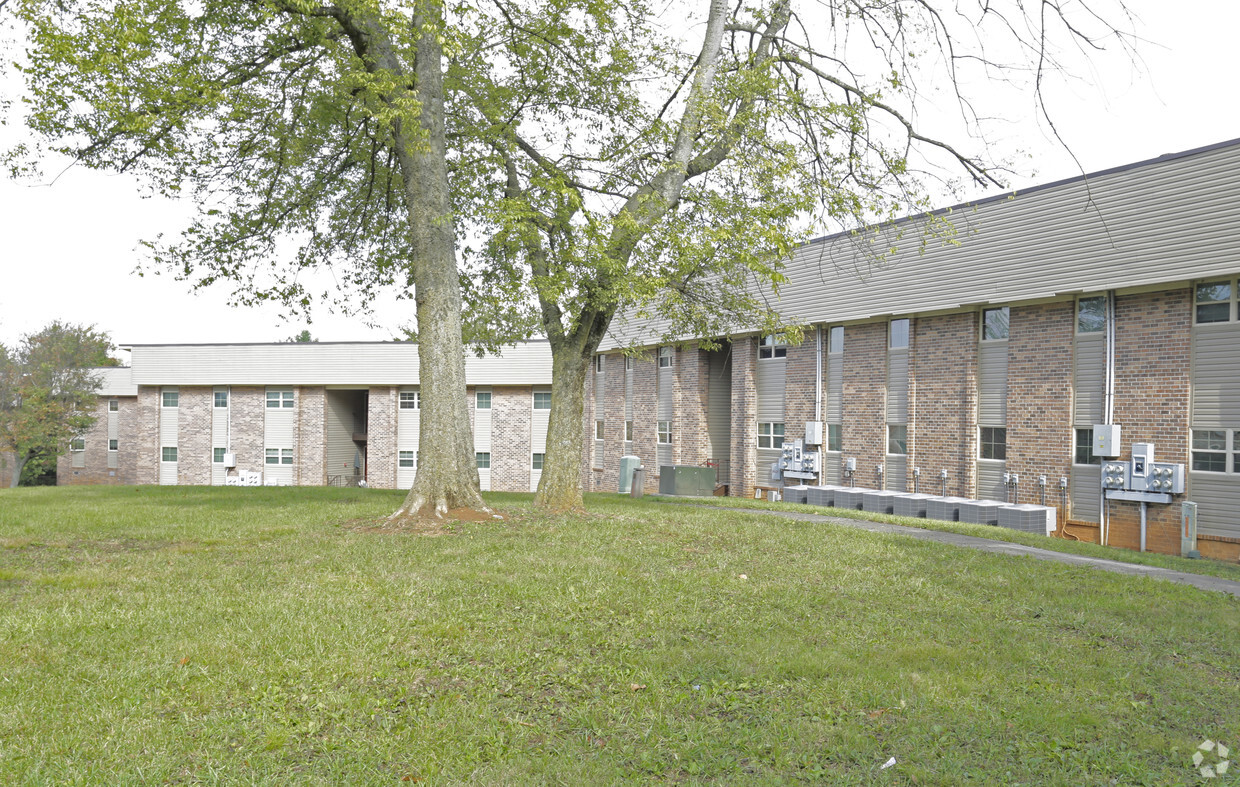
[818,399]
[1108,411]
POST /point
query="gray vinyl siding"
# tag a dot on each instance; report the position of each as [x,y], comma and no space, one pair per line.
[992,365]
[116,381]
[600,410]
[835,389]
[342,452]
[344,363]
[1218,503]
[990,479]
[219,435]
[770,383]
[1142,224]
[1216,376]
[168,427]
[1089,378]
[114,430]
[897,386]
[279,425]
[482,436]
[408,437]
[765,457]
[719,406]
[831,469]
[1084,485]
[666,406]
[895,473]
[539,422]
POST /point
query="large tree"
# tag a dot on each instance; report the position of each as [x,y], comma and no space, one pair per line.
[624,168]
[309,135]
[47,393]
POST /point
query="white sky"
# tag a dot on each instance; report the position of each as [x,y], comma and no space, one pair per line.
[69,251]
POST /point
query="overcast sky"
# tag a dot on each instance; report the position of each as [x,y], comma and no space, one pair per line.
[69,250]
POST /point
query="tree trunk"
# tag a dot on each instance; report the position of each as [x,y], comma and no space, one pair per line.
[559,489]
[447,475]
[19,465]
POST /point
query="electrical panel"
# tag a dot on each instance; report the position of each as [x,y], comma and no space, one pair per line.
[850,464]
[796,462]
[813,432]
[1106,440]
[1143,474]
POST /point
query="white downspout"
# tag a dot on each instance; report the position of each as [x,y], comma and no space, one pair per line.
[1108,412]
[818,400]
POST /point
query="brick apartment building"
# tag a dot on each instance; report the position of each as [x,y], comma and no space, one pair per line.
[303,414]
[991,346]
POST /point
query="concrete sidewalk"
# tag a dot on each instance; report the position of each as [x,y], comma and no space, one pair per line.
[1228,586]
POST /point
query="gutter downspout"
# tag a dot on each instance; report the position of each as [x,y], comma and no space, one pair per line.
[1108,412]
[818,398]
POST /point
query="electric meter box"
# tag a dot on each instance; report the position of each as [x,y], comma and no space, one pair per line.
[1106,440]
[813,432]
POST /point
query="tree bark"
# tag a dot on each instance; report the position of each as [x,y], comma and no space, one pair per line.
[19,465]
[559,489]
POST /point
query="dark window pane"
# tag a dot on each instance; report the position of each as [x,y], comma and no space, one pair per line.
[1210,439]
[995,323]
[1214,291]
[1214,312]
[897,439]
[1210,462]
[1085,448]
[899,334]
[834,437]
[1091,315]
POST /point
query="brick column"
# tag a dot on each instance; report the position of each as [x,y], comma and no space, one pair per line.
[1039,405]
[645,419]
[942,401]
[744,470]
[865,399]
[247,414]
[311,438]
[194,435]
[612,410]
[799,390]
[145,451]
[689,395]
[381,438]
[511,412]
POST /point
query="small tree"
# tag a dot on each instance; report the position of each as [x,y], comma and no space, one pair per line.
[301,338]
[47,393]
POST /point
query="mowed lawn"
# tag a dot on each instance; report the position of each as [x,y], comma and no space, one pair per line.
[265,636]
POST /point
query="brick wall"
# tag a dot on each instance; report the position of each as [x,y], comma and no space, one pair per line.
[612,413]
[96,470]
[799,389]
[194,435]
[744,470]
[310,448]
[381,437]
[689,398]
[865,399]
[510,437]
[942,401]
[1040,436]
[1152,376]
[145,457]
[645,422]
[247,413]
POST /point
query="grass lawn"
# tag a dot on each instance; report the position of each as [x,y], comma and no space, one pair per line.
[178,634]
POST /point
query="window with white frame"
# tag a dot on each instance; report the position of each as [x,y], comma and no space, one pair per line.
[77,444]
[221,398]
[835,340]
[1212,447]
[483,460]
[279,456]
[113,406]
[536,462]
[665,431]
[598,363]
[410,400]
[897,439]
[897,334]
[1215,301]
[628,431]
[993,442]
[1084,448]
[482,400]
[113,444]
[835,437]
[171,399]
[598,430]
[1091,314]
[168,453]
[217,455]
[770,435]
[279,398]
[628,363]
[772,346]
[404,458]
[665,357]
[995,324]
[542,400]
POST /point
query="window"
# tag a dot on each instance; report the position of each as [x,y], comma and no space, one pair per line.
[1084,454]
[665,431]
[217,455]
[598,430]
[628,431]
[113,406]
[993,443]
[835,340]
[542,400]
[171,398]
[113,445]
[772,346]
[994,324]
[537,463]
[598,363]
[665,357]
[628,364]
[77,444]
[411,400]
[279,398]
[835,437]
[482,400]
[1091,317]
[279,456]
[404,458]
[770,435]
[168,453]
[1210,450]
[1214,301]
[221,398]
[897,439]
[897,334]
[483,459]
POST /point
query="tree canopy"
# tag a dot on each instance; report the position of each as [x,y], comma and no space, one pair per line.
[47,393]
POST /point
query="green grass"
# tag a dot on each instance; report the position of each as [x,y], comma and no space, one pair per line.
[153,635]
[1212,568]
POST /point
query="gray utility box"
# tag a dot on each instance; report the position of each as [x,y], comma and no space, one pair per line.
[686,480]
[796,494]
[879,501]
[911,505]
[820,495]
[627,465]
[981,512]
[1028,518]
[849,498]
[944,508]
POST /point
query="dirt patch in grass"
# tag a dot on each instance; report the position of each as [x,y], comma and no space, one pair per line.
[425,523]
